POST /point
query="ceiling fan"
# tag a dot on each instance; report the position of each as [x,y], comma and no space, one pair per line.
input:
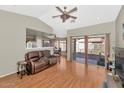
[65,14]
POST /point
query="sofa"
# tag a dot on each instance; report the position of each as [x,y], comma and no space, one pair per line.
[53,59]
[39,60]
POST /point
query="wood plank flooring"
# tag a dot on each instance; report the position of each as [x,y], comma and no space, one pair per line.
[63,75]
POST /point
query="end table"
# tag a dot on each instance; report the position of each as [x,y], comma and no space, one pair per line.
[21,68]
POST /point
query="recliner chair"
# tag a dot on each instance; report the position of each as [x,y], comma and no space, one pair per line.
[52,58]
[35,62]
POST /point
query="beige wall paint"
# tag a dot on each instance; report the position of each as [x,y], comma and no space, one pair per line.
[92,30]
[119,21]
[13,36]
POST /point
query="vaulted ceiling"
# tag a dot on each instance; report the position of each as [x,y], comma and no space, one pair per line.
[87,15]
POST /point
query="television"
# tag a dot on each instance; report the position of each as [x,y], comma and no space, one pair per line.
[119,63]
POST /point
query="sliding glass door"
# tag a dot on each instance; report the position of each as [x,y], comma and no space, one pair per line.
[91,49]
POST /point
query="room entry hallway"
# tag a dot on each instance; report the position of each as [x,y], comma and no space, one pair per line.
[63,75]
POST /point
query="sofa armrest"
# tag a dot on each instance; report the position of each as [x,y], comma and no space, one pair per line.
[33,67]
[31,64]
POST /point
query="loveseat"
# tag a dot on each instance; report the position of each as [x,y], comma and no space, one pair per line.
[39,60]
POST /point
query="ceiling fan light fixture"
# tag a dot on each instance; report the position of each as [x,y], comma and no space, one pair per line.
[65,14]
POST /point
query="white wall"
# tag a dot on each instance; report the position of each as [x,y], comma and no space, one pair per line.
[13,36]
[92,30]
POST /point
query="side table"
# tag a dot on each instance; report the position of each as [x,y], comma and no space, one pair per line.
[21,68]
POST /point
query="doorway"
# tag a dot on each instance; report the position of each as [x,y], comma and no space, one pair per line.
[96,51]
[62,44]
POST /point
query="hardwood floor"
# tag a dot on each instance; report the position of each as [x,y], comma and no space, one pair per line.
[63,75]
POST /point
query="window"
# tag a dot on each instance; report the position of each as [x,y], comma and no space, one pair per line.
[63,45]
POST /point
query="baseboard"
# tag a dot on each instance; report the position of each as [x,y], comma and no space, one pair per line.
[1,76]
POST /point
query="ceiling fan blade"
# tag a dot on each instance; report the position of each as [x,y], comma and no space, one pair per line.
[72,10]
[73,17]
[60,9]
[56,16]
